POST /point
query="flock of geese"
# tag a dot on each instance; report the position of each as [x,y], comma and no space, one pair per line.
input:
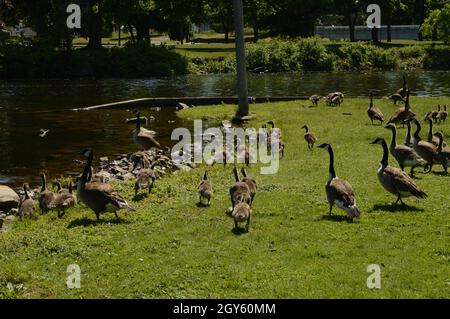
[415,152]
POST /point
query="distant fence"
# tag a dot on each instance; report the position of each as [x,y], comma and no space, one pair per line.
[398,32]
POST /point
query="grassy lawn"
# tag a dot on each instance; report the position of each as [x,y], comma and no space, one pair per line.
[171,248]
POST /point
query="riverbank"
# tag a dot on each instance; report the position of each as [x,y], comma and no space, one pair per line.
[27,59]
[170,248]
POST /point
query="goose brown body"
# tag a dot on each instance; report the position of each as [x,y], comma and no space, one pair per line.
[309,137]
[251,183]
[394,180]
[46,196]
[205,189]
[374,113]
[403,113]
[242,213]
[239,192]
[144,137]
[27,207]
[99,197]
[405,156]
[339,192]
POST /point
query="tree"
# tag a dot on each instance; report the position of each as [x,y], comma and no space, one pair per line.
[350,9]
[256,13]
[437,25]
[297,17]
[220,13]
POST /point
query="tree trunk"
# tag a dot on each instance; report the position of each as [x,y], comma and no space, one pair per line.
[130,29]
[95,34]
[241,71]
[375,35]
[351,26]
[255,33]
[389,32]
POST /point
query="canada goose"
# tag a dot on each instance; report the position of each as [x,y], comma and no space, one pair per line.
[242,213]
[274,132]
[339,192]
[405,156]
[374,112]
[433,139]
[27,206]
[394,180]
[443,152]
[335,98]
[396,98]
[63,201]
[46,196]
[144,179]
[144,137]
[59,188]
[403,113]
[205,189]
[98,196]
[251,184]
[309,137]
[315,99]
[403,90]
[408,134]
[425,149]
[442,115]
[239,192]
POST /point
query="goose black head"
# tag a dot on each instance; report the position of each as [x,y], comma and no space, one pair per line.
[325,146]
[390,126]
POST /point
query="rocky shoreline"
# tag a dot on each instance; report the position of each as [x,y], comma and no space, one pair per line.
[123,167]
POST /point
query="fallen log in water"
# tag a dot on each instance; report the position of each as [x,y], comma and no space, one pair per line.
[191,101]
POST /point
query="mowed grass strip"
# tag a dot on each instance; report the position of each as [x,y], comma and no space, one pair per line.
[170,248]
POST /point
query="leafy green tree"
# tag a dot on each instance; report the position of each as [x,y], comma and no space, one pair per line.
[220,14]
[437,25]
[257,12]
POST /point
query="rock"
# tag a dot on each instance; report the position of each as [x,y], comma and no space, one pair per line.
[7,224]
[104,159]
[8,198]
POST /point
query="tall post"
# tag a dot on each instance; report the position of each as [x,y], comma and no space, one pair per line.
[242,89]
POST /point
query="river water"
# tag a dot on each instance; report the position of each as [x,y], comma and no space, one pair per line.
[28,106]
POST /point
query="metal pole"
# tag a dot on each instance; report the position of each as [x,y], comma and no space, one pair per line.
[242,89]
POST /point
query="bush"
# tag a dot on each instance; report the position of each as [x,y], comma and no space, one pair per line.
[364,56]
[437,58]
[36,60]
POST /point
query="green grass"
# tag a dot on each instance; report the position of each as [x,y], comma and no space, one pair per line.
[170,248]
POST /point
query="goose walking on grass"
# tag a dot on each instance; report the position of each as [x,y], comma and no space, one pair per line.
[239,192]
[408,134]
[46,196]
[205,190]
[63,201]
[144,137]
[442,115]
[309,137]
[146,179]
[99,197]
[425,149]
[405,156]
[431,138]
[251,184]
[314,100]
[402,113]
[374,113]
[242,214]
[443,153]
[394,180]
[27,207]
[403,91]
[339,192]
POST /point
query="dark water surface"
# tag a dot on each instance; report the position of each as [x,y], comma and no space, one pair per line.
[27,106]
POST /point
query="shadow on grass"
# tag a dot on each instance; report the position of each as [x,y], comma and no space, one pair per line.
[239,231]
[139,197]
[392,208]
[84,222]
[443,173]
[337,218]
